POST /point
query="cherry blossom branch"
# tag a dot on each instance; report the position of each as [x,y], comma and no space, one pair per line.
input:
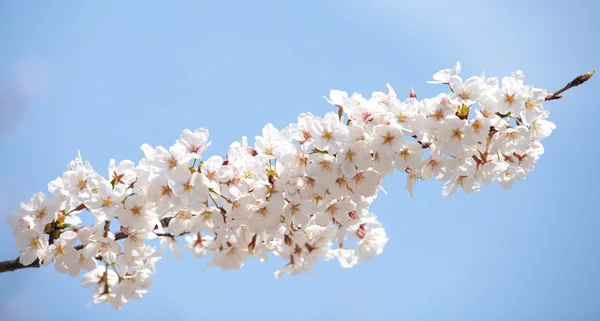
[12,265]
[297,193]
[574,83]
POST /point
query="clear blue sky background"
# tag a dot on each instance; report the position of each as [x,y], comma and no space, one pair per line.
[116,75]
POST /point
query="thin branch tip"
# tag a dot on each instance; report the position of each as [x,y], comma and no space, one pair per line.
[574,83]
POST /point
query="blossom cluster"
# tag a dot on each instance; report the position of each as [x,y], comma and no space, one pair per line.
[300,193]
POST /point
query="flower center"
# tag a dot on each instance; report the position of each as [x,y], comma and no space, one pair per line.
[172,162]
[136,210]
[510,98]
[529,104]
[457,133]
[35,243]
[295,209]
[325,166]
[269,150]
[327,134]
[359,178]
[262,212]
[406,153]
[388,138]
[40,213]
[350,155]
[183,215]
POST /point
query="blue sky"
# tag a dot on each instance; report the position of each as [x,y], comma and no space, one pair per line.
[107,78]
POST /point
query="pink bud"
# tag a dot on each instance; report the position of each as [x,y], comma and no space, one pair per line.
[412,93]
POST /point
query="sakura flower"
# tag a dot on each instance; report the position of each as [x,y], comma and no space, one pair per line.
[337,210]
[161,193]
[467,183]
[41,210]
[207,218]
[100,280]
[138,213]
[338,188]
[405,114]
[355,157]
[213,172]
[182,221]
[534,104]
[171,243]
[346,257]
[357,133]
[430,167]
[328,133]
[131,286]
[62,252]
[105,201]
[456,138]
[478,128]
[81,261]
[366,112]
[443,76]
[372,243]
[510,175]
[301,131]
[511,96]
[438,108]
[122,173]
[165,161]
[98,277]
[195,142]
[75,181]
[383,162]
[466,93]
[365,183]
[509,140]
[187,186]
[409,156]
[387,138]
[491,170]
[292,269]
[135,244]
[103,245]
[323,165]
[20,222]
[297,213]
[34,246]
[541,128]
[272,143]
[338,98]
[265,215]
[198,244]
[230,258]
[295,163]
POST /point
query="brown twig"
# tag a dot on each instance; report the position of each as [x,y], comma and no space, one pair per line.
[9,266]
[574,83]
